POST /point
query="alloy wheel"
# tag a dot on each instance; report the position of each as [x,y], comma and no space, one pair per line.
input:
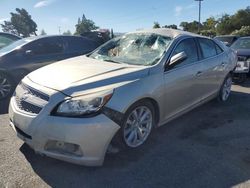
[5,87]
[138,126]
[226,90]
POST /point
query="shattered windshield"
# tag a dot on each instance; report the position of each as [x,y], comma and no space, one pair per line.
[136,49]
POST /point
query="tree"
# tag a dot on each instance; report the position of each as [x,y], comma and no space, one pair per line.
[191,26]
[241,18]
[20,24]
[84,25]
[173,26]
[43,32]
[210,24]
[225,25]
[156,25]
[184,26]
[111,33]
[208,33]
[244,31]
[67,33]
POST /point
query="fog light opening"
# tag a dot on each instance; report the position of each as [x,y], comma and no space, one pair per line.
[63,148]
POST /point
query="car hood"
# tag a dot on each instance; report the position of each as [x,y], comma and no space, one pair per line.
[243,52]
[82,73]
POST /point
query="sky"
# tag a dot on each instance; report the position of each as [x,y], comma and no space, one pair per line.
[120,15]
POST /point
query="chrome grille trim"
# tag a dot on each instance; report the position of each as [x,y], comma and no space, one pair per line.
[35,92]
[29,99]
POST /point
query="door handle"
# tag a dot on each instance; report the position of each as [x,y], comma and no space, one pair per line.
[199,73]
[223,64]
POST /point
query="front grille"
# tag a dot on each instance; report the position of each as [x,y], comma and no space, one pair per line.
[29,99]
[27,107]
[35,92]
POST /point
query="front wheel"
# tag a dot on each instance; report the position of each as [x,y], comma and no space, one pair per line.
[225,89]
[6,86]
[136,126]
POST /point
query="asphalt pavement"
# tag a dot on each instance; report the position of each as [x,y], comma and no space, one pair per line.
[207,147]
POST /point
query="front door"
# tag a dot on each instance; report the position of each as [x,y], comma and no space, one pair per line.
[182,80]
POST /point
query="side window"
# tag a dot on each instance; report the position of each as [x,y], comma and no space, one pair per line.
[4,41]
[80,45]
[207,47]
[47,46]
[189,47]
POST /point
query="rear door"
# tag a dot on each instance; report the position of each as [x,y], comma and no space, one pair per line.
[182,85]
[212,73]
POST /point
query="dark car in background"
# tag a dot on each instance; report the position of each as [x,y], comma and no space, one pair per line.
[228,40]
[28,54]
[7,38]
[242,49]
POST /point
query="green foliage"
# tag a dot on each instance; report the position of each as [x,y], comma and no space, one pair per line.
[210,24]
[208,33]
[190,26]
[20,24]
[173,26]
[43,32]
[84,25]
[156,25]
[67,33]
[244,31]
[224,25]
[241,18]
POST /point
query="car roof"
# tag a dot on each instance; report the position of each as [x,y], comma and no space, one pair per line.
[173,33]
[33,38]
[227,36]
[245,37]
[9,34]
[51,36]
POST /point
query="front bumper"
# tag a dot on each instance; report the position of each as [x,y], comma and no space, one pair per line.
[92,135]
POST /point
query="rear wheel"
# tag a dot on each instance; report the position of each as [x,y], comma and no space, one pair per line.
[136,126]
[6,85]
[225,89]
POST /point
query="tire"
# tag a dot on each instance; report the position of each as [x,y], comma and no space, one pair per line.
[133,133]
[225,89]
[6,86]
[240,78]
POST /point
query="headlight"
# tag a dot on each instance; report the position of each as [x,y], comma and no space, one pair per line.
[83,105]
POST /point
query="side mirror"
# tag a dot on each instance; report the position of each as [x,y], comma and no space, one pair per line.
[28,52]
[177,58]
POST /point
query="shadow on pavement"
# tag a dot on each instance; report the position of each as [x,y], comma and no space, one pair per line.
[207,147]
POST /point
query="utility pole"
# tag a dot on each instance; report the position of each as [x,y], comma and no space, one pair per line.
[199,15]
[59,29]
